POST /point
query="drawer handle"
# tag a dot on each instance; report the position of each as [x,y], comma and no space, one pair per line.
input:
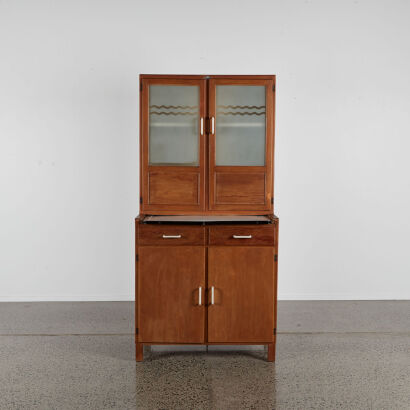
[172,236]
[242,236]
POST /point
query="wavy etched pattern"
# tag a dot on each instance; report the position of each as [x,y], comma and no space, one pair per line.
[172,113]
[174,107]
[240,113]
[238,110]
[173,110]
[248,107]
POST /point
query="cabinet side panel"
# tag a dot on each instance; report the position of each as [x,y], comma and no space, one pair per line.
[276,271]
[136,278]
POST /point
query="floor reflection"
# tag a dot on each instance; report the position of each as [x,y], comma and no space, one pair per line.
[213,380]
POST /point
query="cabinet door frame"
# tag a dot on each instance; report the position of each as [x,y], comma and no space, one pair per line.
[267,169]
[230,318]
[153,303]
[146,169]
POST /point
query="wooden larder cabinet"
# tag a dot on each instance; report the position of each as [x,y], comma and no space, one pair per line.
[206,236]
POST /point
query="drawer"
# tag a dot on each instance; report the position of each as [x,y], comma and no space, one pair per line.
[242,235]
[171,235]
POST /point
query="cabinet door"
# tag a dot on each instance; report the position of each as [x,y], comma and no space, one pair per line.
[241,308]
[172,145]
[241,144]
[171,284]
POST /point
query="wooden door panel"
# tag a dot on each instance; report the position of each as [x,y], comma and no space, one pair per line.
[170,181]
[242,190]
[174,188]
[236,183]
[168,282]
[243,280]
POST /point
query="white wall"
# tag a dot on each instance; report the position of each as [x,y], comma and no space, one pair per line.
[69,132]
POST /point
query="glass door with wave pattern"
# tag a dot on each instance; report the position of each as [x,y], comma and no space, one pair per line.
[173,145]
[241,144]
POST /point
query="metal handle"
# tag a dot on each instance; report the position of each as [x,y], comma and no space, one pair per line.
[202,126]
[213,125]
[200,296]
[171,236]
[212,295]
[242,236]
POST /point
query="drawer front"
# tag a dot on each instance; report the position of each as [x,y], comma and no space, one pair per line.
[242,235]
[171,235]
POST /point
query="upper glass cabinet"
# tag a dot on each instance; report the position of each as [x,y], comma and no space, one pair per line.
[240,125]
[206,144]
[173,125]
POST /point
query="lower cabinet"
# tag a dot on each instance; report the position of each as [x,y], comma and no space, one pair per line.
[191,288]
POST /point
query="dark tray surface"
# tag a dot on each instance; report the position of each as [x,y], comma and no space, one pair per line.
[207,219]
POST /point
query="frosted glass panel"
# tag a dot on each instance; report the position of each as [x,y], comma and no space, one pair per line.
[173,125]
[240,125]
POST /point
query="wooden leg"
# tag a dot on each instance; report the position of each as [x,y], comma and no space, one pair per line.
[271,352]
[139,352]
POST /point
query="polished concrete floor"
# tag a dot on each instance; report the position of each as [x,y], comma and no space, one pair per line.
[330,355]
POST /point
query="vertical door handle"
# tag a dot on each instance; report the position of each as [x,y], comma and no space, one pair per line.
[212,295]
[200,296]
[213,125]
[202,126]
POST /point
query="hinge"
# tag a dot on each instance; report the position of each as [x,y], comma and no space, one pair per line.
[275,258]
[136,330]
[141,85]
[136,257]
[274,331]
[273,87]
[271,200]
[140,199]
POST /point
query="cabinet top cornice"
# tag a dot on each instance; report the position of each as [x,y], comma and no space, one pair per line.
[210,76]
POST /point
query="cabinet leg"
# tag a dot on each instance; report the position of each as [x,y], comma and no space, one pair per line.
[271,352]
[139,352]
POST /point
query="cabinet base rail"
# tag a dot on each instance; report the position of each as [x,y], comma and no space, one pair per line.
[139,347]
